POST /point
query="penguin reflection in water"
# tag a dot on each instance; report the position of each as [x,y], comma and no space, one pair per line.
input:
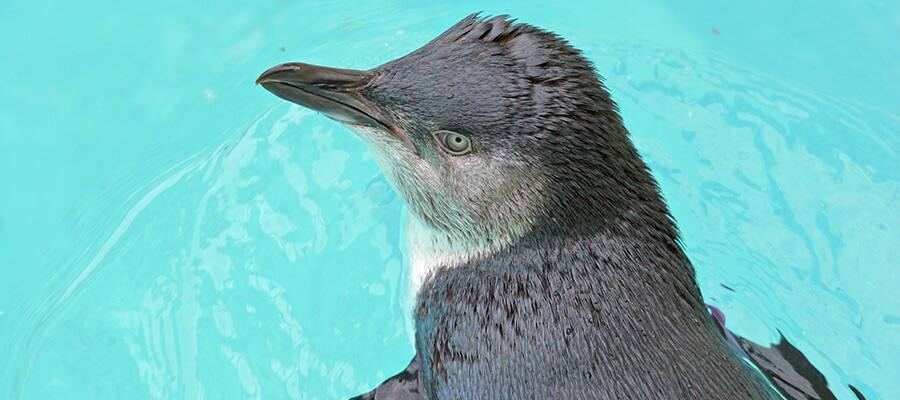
[545,262]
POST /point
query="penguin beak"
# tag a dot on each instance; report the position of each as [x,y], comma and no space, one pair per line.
[334,92]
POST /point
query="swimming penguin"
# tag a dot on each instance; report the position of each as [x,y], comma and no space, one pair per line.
[545,262]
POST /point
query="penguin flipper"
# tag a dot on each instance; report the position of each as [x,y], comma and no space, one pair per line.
[785,366]
[788,370]
[407,385]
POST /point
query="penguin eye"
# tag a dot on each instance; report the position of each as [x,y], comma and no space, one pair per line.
[454,143]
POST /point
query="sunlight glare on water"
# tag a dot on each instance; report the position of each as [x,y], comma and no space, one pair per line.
[170,230]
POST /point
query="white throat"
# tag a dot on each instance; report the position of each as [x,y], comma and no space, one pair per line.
[428,250]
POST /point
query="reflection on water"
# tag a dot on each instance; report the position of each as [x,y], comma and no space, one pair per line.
[226,268]
[269,266]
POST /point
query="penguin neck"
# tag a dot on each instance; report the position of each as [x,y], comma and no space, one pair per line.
[630,233]
[429,249]
[633,237]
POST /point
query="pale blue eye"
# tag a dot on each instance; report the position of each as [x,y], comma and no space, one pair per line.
[454,143]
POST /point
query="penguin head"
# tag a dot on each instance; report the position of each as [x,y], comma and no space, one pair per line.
[489,130]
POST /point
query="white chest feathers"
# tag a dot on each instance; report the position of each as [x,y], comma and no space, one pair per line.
[428,250]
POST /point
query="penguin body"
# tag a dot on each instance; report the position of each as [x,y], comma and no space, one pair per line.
[545,261]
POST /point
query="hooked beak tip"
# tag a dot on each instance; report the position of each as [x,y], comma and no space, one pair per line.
[272,74]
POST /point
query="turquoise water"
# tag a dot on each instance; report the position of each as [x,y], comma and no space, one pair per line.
[169,230]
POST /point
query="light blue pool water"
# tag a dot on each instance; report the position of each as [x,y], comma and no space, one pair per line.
[169,230]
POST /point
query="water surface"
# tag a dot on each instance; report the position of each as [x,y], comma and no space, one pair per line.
[169,230]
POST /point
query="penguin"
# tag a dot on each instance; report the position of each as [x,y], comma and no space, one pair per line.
[544,260]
